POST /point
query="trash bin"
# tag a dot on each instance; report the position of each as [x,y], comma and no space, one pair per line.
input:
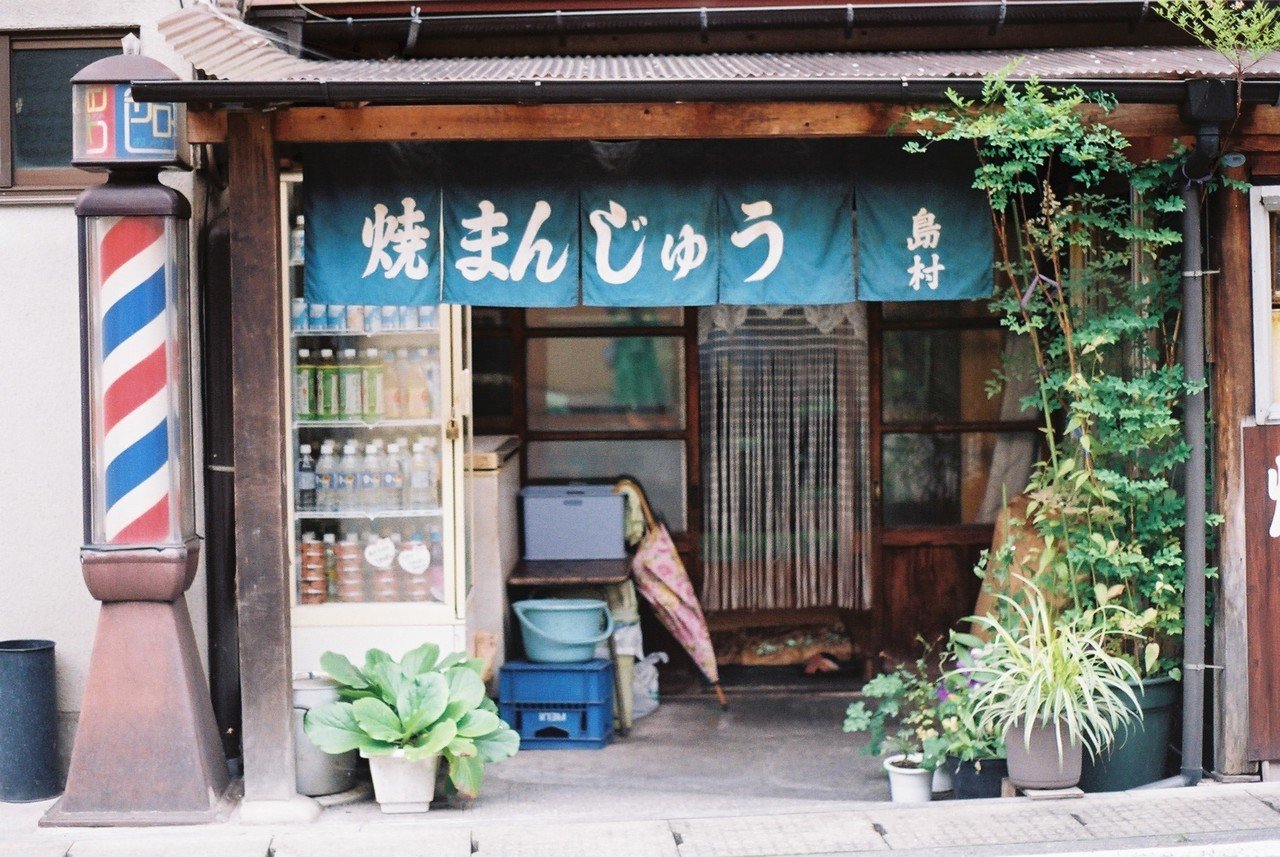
[28,722]
[319,773]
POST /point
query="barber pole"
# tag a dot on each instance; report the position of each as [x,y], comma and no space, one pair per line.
[132,261]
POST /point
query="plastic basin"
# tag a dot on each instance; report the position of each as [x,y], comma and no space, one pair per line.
[562,630]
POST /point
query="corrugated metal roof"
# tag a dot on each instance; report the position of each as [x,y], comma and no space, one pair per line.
[226,48]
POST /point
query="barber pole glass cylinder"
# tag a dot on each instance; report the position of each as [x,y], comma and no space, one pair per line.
[135,267]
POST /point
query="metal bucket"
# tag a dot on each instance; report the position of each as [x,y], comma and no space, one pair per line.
[28,722]
[319,773]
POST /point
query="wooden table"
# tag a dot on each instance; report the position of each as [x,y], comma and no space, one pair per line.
[571,573]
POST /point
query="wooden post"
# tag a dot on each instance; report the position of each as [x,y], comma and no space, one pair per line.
[258,391]
[1232,353]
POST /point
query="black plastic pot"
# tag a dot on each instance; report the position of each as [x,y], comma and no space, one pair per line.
[978,779]
[28,722]
[1137,757]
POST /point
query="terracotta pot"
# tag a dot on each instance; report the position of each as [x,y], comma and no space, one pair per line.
[1037,765]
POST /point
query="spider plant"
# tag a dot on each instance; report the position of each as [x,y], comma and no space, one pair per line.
[1042,668]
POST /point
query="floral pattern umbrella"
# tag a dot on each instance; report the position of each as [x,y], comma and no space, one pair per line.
[661,578]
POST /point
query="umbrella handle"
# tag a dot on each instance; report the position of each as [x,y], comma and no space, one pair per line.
[649,520]
[525,622]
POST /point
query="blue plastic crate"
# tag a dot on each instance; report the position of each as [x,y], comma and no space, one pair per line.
[590,682]
[559,726]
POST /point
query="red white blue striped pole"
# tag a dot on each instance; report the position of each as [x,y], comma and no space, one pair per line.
[133,267]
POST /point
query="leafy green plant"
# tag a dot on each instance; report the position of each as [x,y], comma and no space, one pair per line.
[964,737]
[421,705]
[904,718]
[1087,276]
[1042,668]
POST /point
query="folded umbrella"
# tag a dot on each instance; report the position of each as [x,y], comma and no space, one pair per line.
[661,577]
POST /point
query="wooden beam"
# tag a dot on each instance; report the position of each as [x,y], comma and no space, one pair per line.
[260,433]
[624,122]
[1231,349]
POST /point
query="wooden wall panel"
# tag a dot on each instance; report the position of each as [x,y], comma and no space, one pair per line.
[924,590]
[1262,552]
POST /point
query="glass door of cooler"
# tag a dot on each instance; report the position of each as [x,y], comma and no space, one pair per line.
[376,451]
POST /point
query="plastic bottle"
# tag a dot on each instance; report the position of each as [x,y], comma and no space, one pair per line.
[429,360]
[304,386]
[297,242]
[326,478]
[348,476]
[350,399]
[416,389]
[432,448]
[305,483]
[331,563]
[369,487]
[392,391]
[326,400]
[371,381]
[393,477]
[417,492]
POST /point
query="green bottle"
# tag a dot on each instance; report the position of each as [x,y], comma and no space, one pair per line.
[350,400]
[326,400]
[371,380]
[304,386]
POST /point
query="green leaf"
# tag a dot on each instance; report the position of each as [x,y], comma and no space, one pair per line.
[476,723]
[373,747]
[465,692]
[1151,656]
[467,775]
[421,701]
[498,745]
[435,740]
[386,677]
[461,747]
[420,660]
[333,727]
[342,670]
[378,720]
[450,661]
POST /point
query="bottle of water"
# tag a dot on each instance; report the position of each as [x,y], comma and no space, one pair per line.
[392,477]
[305,483]
[348,476]
[369,488]
[327,479]
[418,488]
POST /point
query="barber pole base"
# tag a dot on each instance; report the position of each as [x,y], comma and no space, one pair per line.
[146,748]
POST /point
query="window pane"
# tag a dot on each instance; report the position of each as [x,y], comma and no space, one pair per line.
[42,103]
[594,316]
[492,381]
[658,465]
[597,383]
[964,478]
[488,317]
[940,375]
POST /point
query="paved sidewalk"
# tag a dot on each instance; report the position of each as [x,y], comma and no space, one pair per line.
[1210,821]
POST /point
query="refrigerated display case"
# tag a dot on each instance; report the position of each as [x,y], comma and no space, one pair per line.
[380,425]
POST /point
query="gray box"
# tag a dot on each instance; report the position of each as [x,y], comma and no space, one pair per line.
[572,522]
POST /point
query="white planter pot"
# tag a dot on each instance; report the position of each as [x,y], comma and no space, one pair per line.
[401,785]
[941,780]
[908,785]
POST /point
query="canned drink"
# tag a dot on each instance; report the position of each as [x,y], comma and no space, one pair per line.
[372,319]
[427,317]
[317,316]
[408,318]
[336,317]
[390,317]
[298,314]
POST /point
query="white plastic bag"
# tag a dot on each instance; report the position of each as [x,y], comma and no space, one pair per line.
[644,685]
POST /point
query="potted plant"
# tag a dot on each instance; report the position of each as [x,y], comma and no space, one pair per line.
[904,720]
[975,756]
[1052,686]
[406,716]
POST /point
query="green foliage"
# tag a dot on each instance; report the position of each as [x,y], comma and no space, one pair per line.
[1088,277]
[1243,32]
[1042,668]
[905,717]
[965,737]
[419,706]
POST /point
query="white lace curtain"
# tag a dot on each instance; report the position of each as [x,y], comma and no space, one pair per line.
[786,518]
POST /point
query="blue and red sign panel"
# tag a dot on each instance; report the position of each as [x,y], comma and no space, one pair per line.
[110,127]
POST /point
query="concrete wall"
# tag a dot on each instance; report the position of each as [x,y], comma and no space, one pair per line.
[40,446]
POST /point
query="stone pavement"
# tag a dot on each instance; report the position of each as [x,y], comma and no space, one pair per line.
[1212,820]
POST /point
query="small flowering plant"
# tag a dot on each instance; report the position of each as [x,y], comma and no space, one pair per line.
[965,737]
[900,713]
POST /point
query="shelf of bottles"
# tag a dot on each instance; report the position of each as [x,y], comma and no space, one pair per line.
[368,422]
